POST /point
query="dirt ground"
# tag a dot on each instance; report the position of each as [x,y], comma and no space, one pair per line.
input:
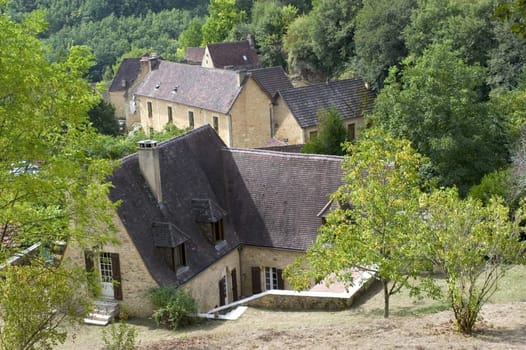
[421,324]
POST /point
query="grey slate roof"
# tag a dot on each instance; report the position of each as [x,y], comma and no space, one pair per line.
[236,54]
[126,74]
[212,89]
[271,79]
[271,199]
[194,54]
[350,98]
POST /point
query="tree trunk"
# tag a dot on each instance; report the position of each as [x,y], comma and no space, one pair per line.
[386,298]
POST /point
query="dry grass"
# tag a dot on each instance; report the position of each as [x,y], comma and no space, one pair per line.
[414,324]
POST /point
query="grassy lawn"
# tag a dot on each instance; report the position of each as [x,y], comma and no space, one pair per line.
[265,323]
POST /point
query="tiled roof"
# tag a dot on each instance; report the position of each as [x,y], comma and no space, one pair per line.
[211,89]
[206,210]
[166,234]
[270,199]
[350,98]
[126,75]
[235,54]
[271,79]
[194,54]
[276,196]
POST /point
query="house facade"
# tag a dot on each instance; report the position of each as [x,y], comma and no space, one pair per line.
[235,103]
[121,92]
[295,111]
[219,222]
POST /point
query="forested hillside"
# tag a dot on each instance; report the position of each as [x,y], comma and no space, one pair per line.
[450,73]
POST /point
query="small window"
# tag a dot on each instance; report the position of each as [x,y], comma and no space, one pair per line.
[173,257]
[351,132]
[216,124]
[170,114]
[191,119]
[273,278]
[151,131]
[313,134]
[150,110]
[218,232]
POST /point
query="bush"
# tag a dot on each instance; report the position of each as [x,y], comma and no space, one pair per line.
[176,308]
[121,337]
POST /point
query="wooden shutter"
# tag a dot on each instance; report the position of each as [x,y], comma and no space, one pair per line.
[88,260]
[234,285]
[116,275]
[281,283]
[256,280]
[222,291]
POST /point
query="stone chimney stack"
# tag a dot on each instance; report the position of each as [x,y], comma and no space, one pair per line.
[149,165]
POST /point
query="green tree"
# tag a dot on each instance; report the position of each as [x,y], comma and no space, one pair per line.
[376,227]
[468,25]
[378,37]
[35,301]
[102,117]
[320,43]
[190,37]
[474,245]
[50,189]
[223,15]
[331,136]
[435,102]
[270,21]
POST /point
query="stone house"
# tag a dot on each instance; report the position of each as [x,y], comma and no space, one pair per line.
[121,92]
[230,55]
[220,222]
[237,104]
[295,111]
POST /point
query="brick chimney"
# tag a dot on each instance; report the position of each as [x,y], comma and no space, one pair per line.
[149,165]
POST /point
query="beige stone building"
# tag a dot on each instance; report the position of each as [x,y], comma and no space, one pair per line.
[221,223]
[296,110]
[237,104]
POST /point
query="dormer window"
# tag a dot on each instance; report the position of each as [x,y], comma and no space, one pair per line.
[170,244]
[209,217]
[218,232]
[174,257]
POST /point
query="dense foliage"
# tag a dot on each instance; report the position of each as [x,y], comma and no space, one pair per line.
[175,307]
[331,136]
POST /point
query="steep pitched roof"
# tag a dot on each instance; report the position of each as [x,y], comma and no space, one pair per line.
[235,54]
[265,198]
[212,89]
[271,79]
[126,74]
[350,98]
[194,54]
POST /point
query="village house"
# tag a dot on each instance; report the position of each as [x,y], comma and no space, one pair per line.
[220,222]
[121,92]
[230,55]
[296,110]
[237,104]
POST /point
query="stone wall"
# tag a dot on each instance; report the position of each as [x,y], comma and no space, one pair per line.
[251,117]
[263,257]
[135,277]
[205,286]
[285,125]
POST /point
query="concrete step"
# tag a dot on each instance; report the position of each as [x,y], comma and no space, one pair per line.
[104,311]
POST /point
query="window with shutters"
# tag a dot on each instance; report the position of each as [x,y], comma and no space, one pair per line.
[150,110]
[273,278]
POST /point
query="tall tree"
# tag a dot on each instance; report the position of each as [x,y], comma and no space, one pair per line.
[223,15]
[378,37]
[50,189]
[376,227]
[435,102]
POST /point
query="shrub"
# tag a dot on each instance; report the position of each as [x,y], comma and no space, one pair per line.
[176,307]
[121,337]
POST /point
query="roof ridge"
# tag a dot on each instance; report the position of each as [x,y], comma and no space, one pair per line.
[283,154]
